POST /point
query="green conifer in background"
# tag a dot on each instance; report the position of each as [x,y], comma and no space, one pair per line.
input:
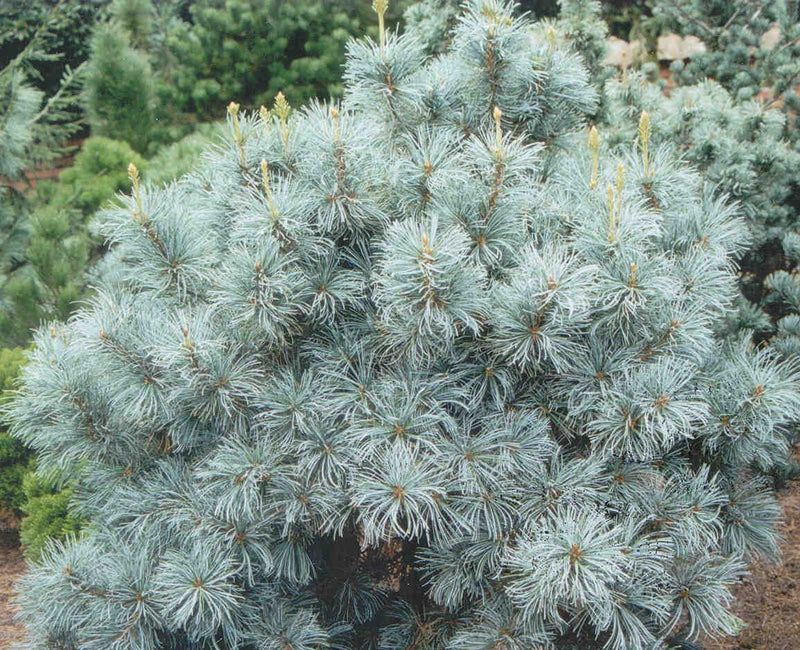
[120,93]
[33,129]
[14,457]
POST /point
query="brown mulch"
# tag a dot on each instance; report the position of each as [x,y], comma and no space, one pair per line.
[11,566]
[768,599]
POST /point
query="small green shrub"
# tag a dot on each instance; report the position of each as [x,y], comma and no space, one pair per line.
[47,515]
[14,465]
[99,172]
[49,278]
[20,307]
[14,457]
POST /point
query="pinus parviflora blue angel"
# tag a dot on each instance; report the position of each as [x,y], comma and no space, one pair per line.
[425,369]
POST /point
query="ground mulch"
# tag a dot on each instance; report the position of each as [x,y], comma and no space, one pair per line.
[11,567]
[51,170]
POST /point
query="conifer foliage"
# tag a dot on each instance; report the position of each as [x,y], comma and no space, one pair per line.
[738,146]
[429,368]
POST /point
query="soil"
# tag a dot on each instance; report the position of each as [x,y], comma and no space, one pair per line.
[11,566]
[45,171]
[768,599]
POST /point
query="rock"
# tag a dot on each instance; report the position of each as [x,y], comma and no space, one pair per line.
[622,54]
[771,38]
[672,47]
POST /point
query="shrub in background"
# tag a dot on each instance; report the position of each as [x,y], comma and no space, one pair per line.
[62,26]
[580,22]
[48,280]
[98,173]
[424,369]
[251,49]
[175,160]
[158,68]
[738,146]
[15,459]
[33,124]
[15,464]
[44,503]
[136,18]
[784,287]
[57,257]
[48,515]
[119,93]
[33,127]
[739,54]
